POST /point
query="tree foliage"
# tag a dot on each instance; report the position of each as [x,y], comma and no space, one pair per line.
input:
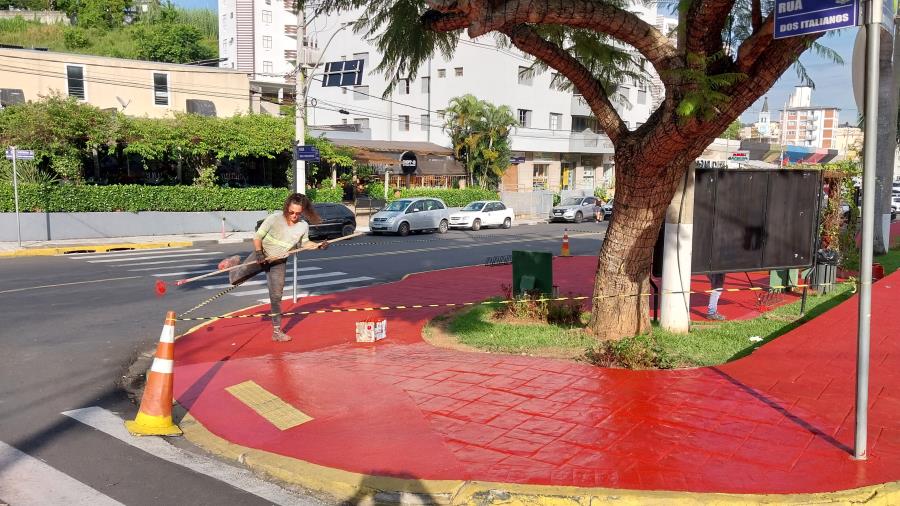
[173,43]
[101,14]
[733,131]
[479,131]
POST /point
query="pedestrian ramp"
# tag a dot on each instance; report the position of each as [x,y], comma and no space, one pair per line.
[173,264]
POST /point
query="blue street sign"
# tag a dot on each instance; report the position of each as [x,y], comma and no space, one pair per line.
[307,153]
[799,17]
[516,160]
[21,154]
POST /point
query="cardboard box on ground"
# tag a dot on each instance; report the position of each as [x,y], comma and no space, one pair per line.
[369,331]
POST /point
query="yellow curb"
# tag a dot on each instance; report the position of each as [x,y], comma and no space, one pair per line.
[92,248]
[346,485]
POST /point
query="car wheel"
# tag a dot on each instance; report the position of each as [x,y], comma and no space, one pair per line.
[443,227]
[507,223]
[578,217]
[347,230]
[476,225]
[403,229]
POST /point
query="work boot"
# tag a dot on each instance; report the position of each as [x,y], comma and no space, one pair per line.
[229,262]
[279,335]
[715,316]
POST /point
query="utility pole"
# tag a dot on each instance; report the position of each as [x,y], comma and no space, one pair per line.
[300,101]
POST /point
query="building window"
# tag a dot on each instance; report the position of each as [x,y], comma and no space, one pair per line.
[360,93]
[582,123]
[426,85]
[524,118]
[343,121]
[555,121]
[75,81]
[403,86]
[267,67]
[425,120]
[362,122]
[160,89]
[267,42]
[442,73]
[458,71]
[267,17]
[231,15]
[404,123]
[539,176]
[268,2]
[364,57]
[525,76]
[642,96]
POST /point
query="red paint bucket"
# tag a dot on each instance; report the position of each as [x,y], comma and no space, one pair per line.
[877,271]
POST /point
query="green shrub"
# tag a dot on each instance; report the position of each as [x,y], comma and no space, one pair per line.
[638,352]
[76,38]
[326,194]
[451,197]
[206,177]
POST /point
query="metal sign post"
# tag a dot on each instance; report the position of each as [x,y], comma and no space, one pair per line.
[873,47]
[13,153]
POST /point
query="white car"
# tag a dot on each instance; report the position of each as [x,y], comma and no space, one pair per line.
[489,213]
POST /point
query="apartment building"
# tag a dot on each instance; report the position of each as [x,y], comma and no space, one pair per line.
[806,125]
[134,87]
[557,144]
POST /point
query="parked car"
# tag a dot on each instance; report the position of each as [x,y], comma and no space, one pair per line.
[574,209]
[491,213]
[406,215]
[607,210]
[337,221]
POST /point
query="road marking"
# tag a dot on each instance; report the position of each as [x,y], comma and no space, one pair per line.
[211,264]
[129,253]
[153,257]
[183,273]
[305,285]
[26,480]
[242,479]
[268,405]
[287,278]
[160,262]
[68,284]
[134,251]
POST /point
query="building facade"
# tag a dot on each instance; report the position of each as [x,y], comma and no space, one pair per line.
[557,144]
[806,125]
[136,88]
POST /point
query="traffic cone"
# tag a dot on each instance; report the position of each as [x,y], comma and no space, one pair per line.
[154,417]
[565,244]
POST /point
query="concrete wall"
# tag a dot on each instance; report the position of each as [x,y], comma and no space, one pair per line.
[528,203]
[125,85]
[45,17]
[56,226]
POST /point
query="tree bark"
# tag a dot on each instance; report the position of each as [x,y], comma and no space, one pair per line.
[621,304]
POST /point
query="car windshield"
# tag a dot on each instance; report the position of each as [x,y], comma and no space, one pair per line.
[571,202]
[397,205]
[474,206]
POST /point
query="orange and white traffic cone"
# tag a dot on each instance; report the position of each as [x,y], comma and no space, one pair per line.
[565,244]
[154,417]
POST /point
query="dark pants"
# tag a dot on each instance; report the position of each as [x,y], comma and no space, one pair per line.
[274,275]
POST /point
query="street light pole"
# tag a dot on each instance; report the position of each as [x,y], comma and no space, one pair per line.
[300,102]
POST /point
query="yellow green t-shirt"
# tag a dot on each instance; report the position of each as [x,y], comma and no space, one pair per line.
[278,236]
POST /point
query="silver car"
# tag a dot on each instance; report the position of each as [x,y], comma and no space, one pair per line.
[575,209]
[405,215]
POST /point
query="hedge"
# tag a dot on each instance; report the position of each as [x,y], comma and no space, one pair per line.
[111,198]
[451,197]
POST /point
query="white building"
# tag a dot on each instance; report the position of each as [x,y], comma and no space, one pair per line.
[558,137]
[804,124]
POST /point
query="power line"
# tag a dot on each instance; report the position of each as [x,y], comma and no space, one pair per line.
[193,68]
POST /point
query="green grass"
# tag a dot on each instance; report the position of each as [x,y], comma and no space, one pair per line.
[478,329]
[706,344]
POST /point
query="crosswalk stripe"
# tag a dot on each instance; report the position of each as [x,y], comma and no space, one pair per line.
[210,265]
[288,286]
[287,280]
[26,480]
[141,251]
[132,253]
[153,257]
[159,262]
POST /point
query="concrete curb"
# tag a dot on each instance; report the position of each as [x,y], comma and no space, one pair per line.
[91,248]
[362,489]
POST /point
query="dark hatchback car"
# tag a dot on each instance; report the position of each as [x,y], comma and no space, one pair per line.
[337,221]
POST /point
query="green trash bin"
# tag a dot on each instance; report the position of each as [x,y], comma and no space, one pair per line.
[532,272]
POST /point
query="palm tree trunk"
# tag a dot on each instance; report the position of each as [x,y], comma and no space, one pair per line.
[622,305]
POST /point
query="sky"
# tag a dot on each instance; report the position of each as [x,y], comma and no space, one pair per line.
[833,86]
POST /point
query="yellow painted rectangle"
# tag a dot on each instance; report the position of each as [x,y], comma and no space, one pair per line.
[268,405]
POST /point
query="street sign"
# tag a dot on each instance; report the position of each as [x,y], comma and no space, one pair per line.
[799,17]
[516,160]
[21,154]
[307,153]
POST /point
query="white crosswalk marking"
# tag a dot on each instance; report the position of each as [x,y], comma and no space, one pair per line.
[132,253]
[122,252]
[164,261]
[208,267]
[288,287]
[152,257]
[287,280]
[27,481]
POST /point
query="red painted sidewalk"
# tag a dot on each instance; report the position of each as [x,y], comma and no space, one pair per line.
[778,421]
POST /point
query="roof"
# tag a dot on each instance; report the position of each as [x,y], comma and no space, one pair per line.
[55,56]
[419,148]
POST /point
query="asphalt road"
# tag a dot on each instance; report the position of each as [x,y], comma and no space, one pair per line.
[74,323]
